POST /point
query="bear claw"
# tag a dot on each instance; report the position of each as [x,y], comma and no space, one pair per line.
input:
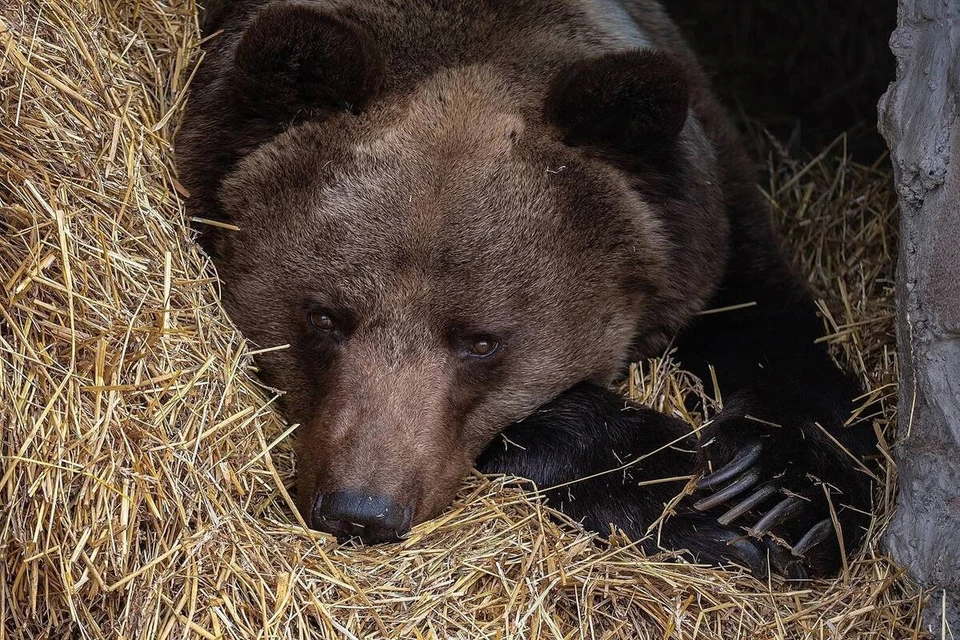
[817,534]
[748,503]
[735,488]
[743,459]
[783,510]
[745,552]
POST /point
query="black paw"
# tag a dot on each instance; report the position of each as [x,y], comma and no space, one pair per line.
[792,495]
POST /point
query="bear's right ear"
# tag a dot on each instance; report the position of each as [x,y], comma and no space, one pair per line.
[633,101]
[294,59]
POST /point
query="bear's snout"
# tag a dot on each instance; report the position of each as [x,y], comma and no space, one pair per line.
[354,515]
[386,445]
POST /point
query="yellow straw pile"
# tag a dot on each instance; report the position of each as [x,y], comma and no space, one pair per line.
[143,473]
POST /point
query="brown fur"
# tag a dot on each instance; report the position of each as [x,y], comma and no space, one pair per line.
[433,189]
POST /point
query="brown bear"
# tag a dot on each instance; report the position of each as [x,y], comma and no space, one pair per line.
[465,218]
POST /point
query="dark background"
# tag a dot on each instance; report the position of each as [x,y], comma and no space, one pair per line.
[805,70]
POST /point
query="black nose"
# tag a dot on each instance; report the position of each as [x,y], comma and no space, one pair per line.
[372,519]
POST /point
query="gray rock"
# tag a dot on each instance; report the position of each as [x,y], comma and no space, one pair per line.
[920,119]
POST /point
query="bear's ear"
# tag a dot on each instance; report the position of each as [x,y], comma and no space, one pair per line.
[634,101]
[294,59]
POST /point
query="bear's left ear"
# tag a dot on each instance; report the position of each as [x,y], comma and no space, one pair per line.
[295,58]
[633,101]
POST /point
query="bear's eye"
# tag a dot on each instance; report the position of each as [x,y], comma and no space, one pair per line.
[482,347]
[321,321]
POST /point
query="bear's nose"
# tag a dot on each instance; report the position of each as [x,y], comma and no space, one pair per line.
[371,518]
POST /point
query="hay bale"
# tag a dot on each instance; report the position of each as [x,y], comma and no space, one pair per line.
[144,476]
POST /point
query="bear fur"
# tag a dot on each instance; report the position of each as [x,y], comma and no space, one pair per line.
[466,217]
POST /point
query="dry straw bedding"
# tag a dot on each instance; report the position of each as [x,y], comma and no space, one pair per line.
[143,473]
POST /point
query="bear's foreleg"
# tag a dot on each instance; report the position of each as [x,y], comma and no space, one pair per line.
[784,462]
[603,462]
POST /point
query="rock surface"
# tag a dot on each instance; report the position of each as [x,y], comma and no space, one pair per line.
[920,118]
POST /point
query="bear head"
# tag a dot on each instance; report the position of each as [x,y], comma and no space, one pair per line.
[441,258]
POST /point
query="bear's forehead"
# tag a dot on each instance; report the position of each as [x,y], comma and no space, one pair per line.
[469,108]
[461,264]
[451,168]
[424,195]
[452,188]
[459,237]
[469,222]
[471,216]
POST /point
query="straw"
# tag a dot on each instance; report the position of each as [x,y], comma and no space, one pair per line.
[143,482]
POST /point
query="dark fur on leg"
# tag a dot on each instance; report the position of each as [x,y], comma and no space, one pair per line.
[603,461]
[784,397]
[572,447]
[781,391]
